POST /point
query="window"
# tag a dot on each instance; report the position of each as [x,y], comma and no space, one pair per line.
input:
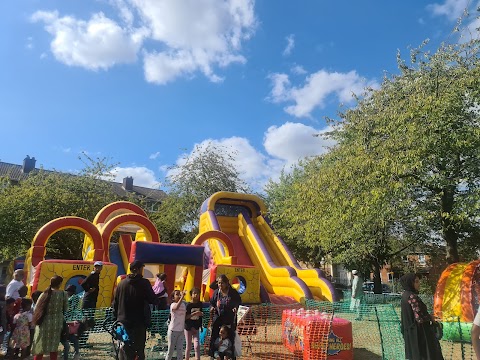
[421,259]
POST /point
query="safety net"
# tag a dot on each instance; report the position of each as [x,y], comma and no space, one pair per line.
[314,330]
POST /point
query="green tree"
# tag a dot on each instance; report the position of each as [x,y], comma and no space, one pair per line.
[277,196]
[405,169]
[207,170]
[424,124]
[46,195]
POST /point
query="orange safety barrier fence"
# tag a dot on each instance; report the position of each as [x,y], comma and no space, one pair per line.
[282,333]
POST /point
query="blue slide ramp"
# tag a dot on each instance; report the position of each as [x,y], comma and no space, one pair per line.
[116,258]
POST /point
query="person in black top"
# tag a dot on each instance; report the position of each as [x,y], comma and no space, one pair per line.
[131,308]
[193,323]
[91,285]
[224,305]
[417,325]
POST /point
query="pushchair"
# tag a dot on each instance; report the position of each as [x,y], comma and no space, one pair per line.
[120,337]
[236,346]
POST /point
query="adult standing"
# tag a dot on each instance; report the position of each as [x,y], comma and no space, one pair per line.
[91,286]
[417,325]
[357,295]
[476,335]
[131,308]
[48,319]
[224,305]
[14,285]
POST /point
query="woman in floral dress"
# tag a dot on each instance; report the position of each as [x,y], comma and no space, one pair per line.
[48,319]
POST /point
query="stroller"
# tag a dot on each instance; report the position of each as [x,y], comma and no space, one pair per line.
[120,337]
[233,337]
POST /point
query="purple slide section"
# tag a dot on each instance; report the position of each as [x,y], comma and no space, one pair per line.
[291,271]
[319,272]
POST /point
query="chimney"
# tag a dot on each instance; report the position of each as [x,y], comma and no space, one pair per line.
[128,183]
[28,164]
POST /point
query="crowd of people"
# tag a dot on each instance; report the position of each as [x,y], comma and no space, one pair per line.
[134,298]
[35,325]
[38,324]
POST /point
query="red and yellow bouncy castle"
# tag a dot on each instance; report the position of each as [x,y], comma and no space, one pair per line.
[458,292]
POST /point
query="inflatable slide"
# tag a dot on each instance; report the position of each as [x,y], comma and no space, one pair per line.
[241,218]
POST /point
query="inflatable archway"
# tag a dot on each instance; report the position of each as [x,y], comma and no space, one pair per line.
[220,236]
[150,231]
[457,294]
[117,208]
[36,253]
[104,215]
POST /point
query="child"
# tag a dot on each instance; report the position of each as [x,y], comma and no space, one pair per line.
[223,345]
[176,327]
[75,330]
[20,340]
[160,290]
[9,314]
[193,323]
[35,296]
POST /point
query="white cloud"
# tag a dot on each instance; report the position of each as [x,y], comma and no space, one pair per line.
[298,70]
[317,87]
[98,43]
[29,44]
[199,35]
[470,31]
[452,9]
[187,36]
[142,176]
[290,45]
[293,141]
[283,146]
[154,155]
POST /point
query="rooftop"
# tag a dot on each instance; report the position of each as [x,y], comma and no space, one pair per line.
[17,173]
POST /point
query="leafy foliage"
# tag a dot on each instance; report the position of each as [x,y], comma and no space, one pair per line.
[405,170]
[46,195]
[207,170]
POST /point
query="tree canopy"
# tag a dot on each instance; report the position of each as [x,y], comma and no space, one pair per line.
[405,170]
[207,170]
[46,195]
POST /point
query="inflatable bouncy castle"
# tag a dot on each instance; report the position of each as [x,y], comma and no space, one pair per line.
[458,291]
[457,299]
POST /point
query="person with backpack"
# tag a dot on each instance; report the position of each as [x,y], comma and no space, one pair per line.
[131,307]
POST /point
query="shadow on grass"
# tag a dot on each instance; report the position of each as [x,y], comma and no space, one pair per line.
[364,354]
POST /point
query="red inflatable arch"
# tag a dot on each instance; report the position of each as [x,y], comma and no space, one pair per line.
[134,219]
[220,236]
[68,222]
[119,206]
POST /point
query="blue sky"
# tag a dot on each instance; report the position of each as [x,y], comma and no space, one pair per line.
[144,81]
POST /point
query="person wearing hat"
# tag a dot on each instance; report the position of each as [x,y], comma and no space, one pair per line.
[131,308]
[91,285]
[357,295]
